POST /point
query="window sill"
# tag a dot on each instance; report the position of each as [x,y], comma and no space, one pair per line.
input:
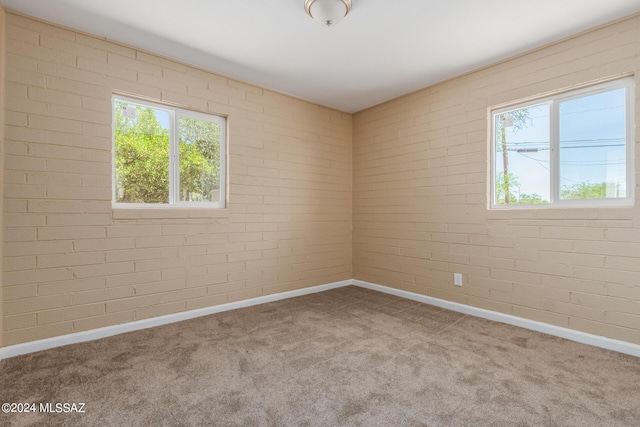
[621,211]
[168,212]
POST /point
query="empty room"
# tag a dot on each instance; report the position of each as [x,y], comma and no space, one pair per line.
[320,213]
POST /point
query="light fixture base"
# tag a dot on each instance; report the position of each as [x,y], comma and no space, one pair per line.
[328,12]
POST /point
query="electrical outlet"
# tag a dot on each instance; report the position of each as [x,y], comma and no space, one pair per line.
[457,279]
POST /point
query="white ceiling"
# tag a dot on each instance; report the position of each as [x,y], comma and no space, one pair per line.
[381,50]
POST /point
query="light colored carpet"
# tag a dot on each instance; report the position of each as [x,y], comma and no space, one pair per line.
[345,357]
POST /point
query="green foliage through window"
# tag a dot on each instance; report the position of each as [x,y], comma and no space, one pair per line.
[584,190]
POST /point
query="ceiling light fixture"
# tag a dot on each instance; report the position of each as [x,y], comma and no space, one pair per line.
[328,12]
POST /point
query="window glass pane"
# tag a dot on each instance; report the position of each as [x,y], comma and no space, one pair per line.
[199,160]
[592,146]
[141,153]
[522,153]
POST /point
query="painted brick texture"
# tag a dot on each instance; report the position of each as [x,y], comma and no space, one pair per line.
[2,153]
[420,199]
[73,263]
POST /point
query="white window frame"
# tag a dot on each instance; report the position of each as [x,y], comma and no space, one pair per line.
[554,100]
[174,166]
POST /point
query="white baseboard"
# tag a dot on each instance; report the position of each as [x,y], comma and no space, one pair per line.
[570,334]
[558,331]
[78,337]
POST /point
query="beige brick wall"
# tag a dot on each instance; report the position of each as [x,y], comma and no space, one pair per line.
[420,199]
[2,115]
[73,263]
